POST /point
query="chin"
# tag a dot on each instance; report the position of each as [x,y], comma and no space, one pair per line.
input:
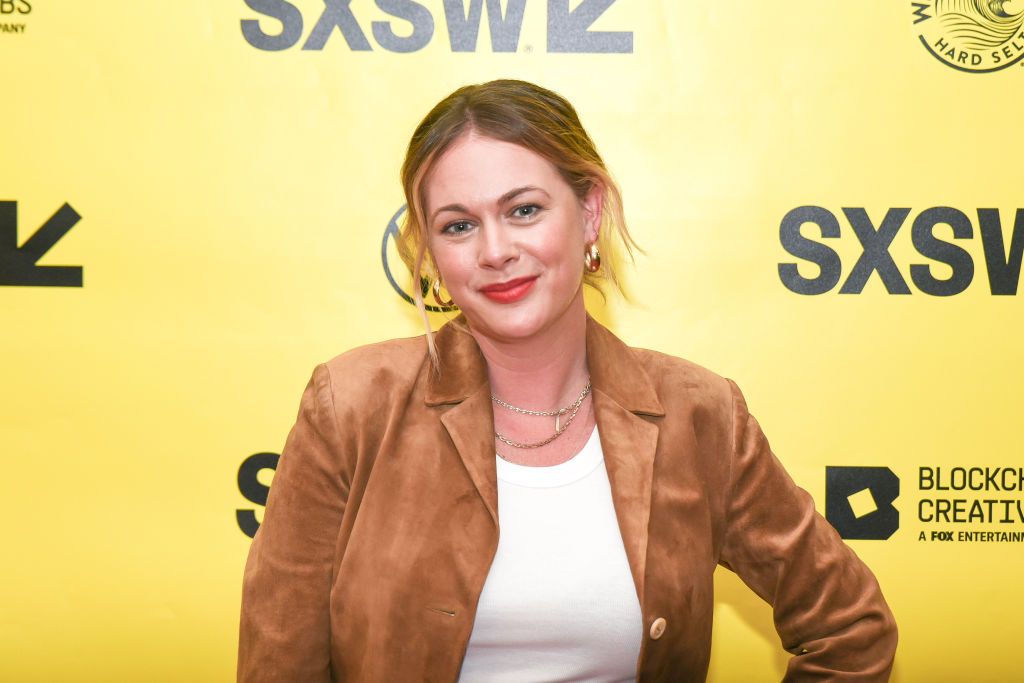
[514,322]
[512,327]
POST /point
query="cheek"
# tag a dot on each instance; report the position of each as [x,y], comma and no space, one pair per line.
[565,247]
[453,265]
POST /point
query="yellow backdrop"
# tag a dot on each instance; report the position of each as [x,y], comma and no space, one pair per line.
[230,178]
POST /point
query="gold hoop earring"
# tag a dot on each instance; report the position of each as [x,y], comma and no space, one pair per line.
[592,258]
[436,287]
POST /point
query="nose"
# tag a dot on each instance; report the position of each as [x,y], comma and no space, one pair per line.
[496,245]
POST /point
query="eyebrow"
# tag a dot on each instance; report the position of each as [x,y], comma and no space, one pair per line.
[507,197]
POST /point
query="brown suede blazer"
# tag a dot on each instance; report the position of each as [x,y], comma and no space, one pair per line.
[381,523]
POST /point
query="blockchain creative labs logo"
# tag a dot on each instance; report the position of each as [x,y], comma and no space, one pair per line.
[391,233]
[859,502]
[12,16]
[974,36]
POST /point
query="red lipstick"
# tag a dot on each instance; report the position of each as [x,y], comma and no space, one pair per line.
[509,292]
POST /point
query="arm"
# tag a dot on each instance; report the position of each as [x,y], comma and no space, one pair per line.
[285,620]
[828,607]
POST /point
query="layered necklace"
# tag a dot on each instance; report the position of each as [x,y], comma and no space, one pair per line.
[560,426]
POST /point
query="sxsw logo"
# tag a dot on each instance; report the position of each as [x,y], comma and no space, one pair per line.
[254,490]
[409,26]
[859,501]
[934,232]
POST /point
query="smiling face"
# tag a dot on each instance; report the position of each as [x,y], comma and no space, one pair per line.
[507,234]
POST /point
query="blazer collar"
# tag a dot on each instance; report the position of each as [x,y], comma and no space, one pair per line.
[622,393]
[614,369]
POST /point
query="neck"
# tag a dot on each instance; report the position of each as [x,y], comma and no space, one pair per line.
[544,372]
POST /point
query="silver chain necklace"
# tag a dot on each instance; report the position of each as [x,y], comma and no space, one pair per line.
[560,427]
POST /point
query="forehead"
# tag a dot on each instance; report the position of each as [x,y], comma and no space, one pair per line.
[479,170]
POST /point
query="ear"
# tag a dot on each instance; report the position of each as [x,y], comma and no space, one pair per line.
[592,204]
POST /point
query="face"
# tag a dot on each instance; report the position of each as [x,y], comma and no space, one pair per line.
[507,234]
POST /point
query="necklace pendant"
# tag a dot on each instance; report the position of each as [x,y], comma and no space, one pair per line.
[557,421]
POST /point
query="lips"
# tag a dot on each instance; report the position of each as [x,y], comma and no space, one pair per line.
[510,291]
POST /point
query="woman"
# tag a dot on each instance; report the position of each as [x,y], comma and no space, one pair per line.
[619,478]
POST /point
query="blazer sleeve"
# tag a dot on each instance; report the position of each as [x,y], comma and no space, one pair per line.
[828,607]
[285,617]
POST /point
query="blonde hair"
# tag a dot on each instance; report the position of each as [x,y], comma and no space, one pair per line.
[524,114]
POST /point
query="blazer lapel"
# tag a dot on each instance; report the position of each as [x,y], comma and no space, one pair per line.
[470,425]
[629,443]
[622,393]
[462,383]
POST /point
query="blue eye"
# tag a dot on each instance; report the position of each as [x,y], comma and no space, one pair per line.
[456,228]
[525,211]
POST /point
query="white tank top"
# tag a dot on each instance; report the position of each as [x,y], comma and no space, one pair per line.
[559,602]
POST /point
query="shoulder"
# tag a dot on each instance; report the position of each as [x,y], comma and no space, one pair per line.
[375,369]
[679,372]
[404,354]
[680,381]
[658,383]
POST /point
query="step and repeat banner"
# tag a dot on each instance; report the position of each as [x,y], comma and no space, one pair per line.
[198,203]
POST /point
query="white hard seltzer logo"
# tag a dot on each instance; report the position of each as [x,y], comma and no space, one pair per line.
[974,36]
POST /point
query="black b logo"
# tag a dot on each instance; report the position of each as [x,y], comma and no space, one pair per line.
[859,501]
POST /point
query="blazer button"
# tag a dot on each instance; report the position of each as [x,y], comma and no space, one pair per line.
[658,627]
